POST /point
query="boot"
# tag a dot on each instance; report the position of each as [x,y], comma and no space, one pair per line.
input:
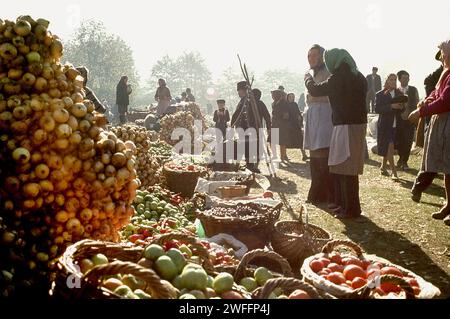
[442,214]
[447,220]
[350,194]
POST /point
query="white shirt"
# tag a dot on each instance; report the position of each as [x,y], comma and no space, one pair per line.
[394,125]
[404,89]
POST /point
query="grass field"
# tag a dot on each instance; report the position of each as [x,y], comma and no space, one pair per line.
[392,226]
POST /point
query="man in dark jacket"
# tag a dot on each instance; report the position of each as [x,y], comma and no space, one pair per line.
[425,179]
[244,118]
[405,129]
[90,95]
[373,86]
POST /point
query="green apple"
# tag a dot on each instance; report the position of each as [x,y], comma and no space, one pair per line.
[177,258]
[197,294]
[249,283]
[165,267]
[141,294]
[153,252]
[122,290]
[261,275]
[187,296]
[33,57]
[223,282]
[99,259]
[192,278]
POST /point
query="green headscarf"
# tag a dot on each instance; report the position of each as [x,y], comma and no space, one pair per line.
[335,57]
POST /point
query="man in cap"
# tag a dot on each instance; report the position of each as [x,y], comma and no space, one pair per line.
[90,95]
[245,118]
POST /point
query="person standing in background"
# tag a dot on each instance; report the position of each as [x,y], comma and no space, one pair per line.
[296,125]
[123,91]
[373,86]
[437,143]
[405,132]
[189,96]
[90,95]
[183,97]
[221,118]
[425,179]
[163,97]
[318,129]
[387,126]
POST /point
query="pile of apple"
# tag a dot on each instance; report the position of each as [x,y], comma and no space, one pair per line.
[353,273]
[62,176]
[153,216]
[169,123]
[147,166]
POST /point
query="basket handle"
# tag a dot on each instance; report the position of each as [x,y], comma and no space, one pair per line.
[304,209]
[396,280]
[289,284]
[240,270]
[332,245]
[191,240]
[159,290]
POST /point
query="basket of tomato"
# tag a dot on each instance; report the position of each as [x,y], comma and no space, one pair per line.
[355,274]
[182,179]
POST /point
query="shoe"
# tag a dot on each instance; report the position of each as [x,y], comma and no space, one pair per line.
[395,178]
[416,196]
[443,213]
[447,220]
[384,172]
[332,206]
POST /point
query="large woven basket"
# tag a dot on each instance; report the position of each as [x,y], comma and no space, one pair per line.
[182,182]
[297,240]
[288,285]
[428,290]
[70,283]
[253,232]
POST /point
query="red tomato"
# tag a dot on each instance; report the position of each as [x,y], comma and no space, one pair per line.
[335,258]
[352,261]
[412,281]
[335,267]
[353,271]
[316,265]
[416,290]
[268,194]
[336,278]
[299,294]
[366,264]
[358,282]
[135,237]
[391,271]
[325,261]
[387,287]
[325,271]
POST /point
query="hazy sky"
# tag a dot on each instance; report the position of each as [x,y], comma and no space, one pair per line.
[268,34]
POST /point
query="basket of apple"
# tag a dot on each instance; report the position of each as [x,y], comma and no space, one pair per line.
[288,288]
[182,178]
[357,275]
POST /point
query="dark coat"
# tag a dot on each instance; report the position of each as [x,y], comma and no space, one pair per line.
[432,79]
[286,118]
[221,121]
[385,131]
[373,83]
[122,96]
[262,110]
[347,94]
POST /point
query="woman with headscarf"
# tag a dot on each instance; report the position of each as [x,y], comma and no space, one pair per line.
[388,122]
[123,90]
[346,89]
[436,156]
[281,121]
[317,136]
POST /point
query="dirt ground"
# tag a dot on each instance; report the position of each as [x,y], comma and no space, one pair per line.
[392,226]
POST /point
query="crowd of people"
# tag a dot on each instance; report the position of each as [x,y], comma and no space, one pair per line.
[330,121]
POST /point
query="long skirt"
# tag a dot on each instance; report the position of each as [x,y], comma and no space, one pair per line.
[437,145]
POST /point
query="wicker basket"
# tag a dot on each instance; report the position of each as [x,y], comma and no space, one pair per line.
[233,191]
[273,261]
[297,240]
[287,285]
[182,182]
[125,258]
[253,232]
[427,289]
